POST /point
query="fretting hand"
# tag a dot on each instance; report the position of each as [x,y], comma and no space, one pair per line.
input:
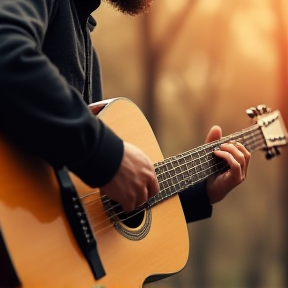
[237,157]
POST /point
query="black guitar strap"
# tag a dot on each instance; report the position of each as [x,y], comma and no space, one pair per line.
[79,223]
[79,226]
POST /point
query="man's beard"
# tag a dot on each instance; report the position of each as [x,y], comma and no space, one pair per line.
[131,7]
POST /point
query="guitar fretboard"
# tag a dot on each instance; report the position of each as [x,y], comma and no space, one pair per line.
[179,172]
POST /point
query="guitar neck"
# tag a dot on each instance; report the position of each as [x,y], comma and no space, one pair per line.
[179,172]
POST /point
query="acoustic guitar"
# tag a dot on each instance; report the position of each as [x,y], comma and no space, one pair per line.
[51,221]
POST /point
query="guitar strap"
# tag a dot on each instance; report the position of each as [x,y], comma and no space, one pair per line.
[79,223]
[85,240]
[8,275]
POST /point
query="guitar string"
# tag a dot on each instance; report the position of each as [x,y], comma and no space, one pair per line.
[117,214]
[169,170]
[97,231]
[247,143]
[213,145]
[101,230]
[101,197]
[121,212]
[164,163]
[188,166]
[111,224]
[202,148]
[160,182]
[92,193]
[187,161]
[117,205]
[106,210]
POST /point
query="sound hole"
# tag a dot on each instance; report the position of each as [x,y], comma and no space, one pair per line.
[132,220]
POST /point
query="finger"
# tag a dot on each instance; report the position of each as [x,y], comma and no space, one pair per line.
[153,186]
[246,153]
[237,154]
[128,206]
[142,197]
[215,133]
[128,200]
[234,174]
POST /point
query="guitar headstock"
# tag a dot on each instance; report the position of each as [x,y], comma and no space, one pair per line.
[272,126]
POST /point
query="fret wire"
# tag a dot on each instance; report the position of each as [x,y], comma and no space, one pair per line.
[172,184]
[222,140]
[208,161]
[202,164]
[185,165]
[210,167]
[172,159]
[190,183]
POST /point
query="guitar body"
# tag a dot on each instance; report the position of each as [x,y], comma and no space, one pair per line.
[39,239]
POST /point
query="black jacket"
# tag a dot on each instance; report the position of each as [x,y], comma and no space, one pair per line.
[49,72]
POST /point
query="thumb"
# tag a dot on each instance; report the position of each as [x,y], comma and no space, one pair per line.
[215,133]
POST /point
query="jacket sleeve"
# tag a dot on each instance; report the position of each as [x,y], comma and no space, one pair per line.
[39,110]
[195,202]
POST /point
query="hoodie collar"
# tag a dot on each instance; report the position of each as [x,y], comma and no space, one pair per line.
[86,7]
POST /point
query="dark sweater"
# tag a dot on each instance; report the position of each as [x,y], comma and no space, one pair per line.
[49,72]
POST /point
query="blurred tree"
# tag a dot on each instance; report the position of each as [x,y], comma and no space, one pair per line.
[282,43]
[154,53]
[233,40]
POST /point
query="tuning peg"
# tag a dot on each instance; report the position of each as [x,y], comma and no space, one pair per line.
[277,152]
[263,109]
[252,112]
[269,154]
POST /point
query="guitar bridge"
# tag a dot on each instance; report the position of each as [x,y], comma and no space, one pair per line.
[79,223]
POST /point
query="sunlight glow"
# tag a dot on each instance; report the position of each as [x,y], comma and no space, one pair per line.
[175,6]
[248,34]
[196,72]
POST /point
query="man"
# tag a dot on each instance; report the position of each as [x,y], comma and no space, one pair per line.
[47,68]
[49,73]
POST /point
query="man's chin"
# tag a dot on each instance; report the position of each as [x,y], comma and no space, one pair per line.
[131,7]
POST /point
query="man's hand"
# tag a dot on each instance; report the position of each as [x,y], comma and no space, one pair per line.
[237,157]
[135,181]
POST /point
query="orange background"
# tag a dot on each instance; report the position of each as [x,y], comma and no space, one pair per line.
[192,64]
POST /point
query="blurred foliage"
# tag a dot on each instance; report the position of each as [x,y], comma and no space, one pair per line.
[189,65]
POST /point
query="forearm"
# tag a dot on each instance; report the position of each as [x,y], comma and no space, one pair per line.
[195,203]
[39,110]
